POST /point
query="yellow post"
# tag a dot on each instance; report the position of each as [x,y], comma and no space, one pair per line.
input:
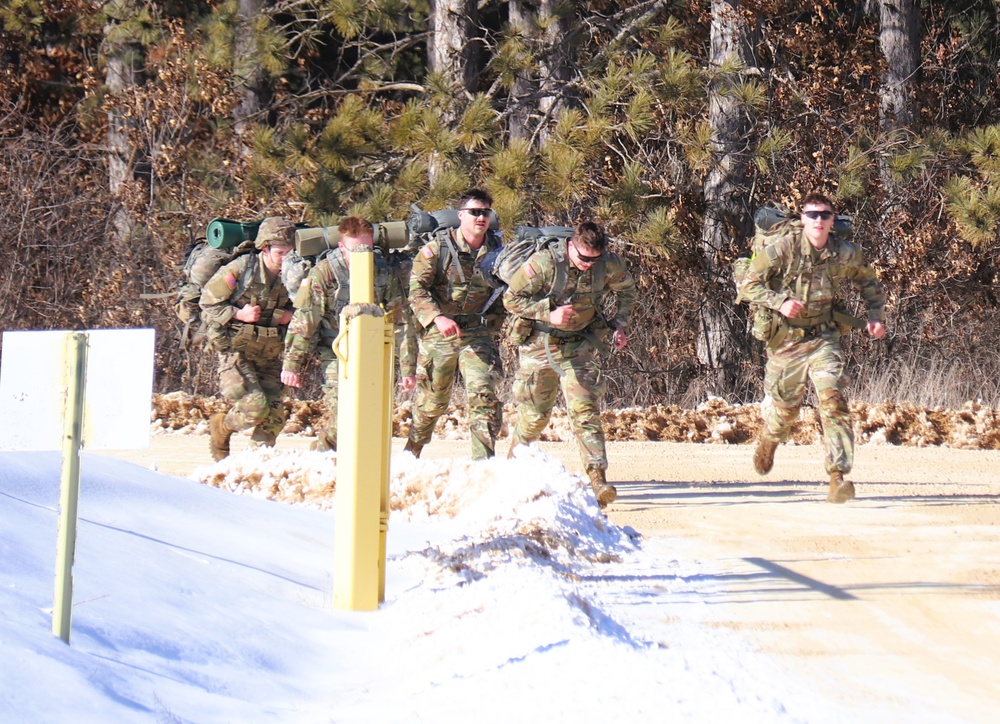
[360,442]
[69,486]
[388,382]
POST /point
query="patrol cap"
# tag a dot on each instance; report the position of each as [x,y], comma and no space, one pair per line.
[275,231]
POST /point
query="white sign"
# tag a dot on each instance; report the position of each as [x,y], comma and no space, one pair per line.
[117,402]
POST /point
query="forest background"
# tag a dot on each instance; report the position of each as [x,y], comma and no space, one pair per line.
[126,126]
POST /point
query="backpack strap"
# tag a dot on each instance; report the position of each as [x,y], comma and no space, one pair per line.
[444,239]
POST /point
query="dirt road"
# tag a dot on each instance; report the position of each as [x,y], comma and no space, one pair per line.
[892,600]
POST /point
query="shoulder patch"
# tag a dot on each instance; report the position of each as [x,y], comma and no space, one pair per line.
[427,251]
[231,281]
[528,270]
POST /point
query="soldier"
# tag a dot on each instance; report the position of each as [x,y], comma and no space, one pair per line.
[458,319]
[246,309]
[799,276]
[560,334]
[318,303]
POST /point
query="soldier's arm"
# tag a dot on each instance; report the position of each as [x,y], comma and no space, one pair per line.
[310,306]
[618,280]
[763,267]
[216,297]
[422,276]
[871,290]
[397,305]
[527,293]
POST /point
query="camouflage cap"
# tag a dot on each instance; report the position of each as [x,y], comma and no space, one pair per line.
[275,231]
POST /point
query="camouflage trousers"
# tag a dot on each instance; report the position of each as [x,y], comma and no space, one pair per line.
[582,382]
[255,389]
[820,359]
[331,384]
[477,359]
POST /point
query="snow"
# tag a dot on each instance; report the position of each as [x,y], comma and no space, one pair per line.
[509,596]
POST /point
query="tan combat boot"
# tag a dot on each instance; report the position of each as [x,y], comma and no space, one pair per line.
[840,490]
[413,448]
[606,494]
[323,443]
[763,456]
[220,434]
[262,438]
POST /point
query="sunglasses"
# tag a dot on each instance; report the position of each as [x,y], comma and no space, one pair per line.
[477,212]
[587,259]
[825,215]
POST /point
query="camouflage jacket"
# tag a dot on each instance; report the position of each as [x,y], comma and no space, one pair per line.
[323,295]
[527,295]
[440,286]
[242,281]
[791,268]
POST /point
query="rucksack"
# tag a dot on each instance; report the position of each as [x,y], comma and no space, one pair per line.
[500,265]
[202,261]
[771,224]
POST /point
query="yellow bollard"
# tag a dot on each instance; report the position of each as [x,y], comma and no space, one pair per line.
[362,452]
[69,487]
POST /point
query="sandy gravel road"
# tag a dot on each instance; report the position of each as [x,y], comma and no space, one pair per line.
[892,600]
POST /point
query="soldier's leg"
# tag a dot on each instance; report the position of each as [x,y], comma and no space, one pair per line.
[479,363]
[535,388]
[241,385]
[266,431]
[437,364]
[785,378]
[327,439]
[827,372]
[583,388]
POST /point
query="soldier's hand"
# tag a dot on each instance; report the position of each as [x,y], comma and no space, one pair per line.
[619,340]
[447,326]
[876,330]
[286,316]
[292,379]
[249,313]
[791,308]
[408,384]
[562,315]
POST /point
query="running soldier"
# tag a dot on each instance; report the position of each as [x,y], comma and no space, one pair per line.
[799,277]
[458,318]
[560,333]
[246,309]
[318,304]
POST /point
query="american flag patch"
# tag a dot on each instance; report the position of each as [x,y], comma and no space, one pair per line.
[529,271]
[427,251]
[231,281]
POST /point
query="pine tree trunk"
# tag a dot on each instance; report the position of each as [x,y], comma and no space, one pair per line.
[523,98]
[900,42]
[249,77]
[452,47]
[555,66]
[725,208]
[122,75]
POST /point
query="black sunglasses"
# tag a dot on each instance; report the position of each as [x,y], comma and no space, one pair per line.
[825,215]
[477,212]
[587,259]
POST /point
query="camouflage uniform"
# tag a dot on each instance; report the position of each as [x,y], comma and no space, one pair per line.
[792,268]
[566,356]
[440,287]
[249,354]
[316,322]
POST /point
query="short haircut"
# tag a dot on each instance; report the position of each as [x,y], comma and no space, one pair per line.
[590,235]
[819,199]
[355,227]
[479,195]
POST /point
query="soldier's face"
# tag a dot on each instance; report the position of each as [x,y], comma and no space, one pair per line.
[817,221]
[274,255]
[582,257]
[348,244]
[474,219]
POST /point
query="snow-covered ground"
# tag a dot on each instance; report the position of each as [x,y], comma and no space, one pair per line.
[509,597]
